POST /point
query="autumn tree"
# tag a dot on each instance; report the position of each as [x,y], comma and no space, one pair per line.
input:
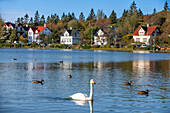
[103,22]
[113,17]
[13,37]
[74,24]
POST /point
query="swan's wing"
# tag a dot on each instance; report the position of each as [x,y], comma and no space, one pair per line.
[79,96]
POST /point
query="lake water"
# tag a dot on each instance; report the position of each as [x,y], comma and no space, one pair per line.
[109,69]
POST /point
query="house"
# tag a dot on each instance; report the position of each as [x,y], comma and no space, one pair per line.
[144,34]
[105,36]
[70,37]
[34,32]
[20,29]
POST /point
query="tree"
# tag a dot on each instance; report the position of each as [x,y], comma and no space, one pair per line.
[36,18]
[81,17]
[22,20]
[73,16]
[13,37]
[42,20]
[91,15]
[48,19]
[26,18]
[100,14]
[1,27]
[103,22]
[140,13]
[132,9]
[154,11]
[166,8]
[113,17]
[63,16]
[18,20]
[74,24]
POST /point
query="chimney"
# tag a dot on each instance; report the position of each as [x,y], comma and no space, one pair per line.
[147,25]
[44,25]
[70,28]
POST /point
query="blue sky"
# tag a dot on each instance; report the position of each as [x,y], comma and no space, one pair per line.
[10,10]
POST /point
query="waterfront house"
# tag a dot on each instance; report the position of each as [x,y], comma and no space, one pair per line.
[34,32]
[145,34]
[70,37]
[20,29]
[105,36]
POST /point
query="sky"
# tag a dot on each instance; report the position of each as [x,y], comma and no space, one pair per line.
[10,10]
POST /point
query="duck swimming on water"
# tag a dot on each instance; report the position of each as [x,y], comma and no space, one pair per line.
[127,83]
[37,81]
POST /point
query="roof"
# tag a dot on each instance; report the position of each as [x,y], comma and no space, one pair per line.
[148,31]
[38,28]
[71,32]
[10,24]
[107,31]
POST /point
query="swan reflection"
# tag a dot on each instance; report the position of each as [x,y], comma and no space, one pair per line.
[82,103]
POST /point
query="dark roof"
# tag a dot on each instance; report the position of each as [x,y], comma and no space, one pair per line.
[71,32]
[26,28]
[107,31]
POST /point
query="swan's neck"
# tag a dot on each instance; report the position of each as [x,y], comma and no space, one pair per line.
[91,92]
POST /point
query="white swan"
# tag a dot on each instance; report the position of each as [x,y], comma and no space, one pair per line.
[81,96]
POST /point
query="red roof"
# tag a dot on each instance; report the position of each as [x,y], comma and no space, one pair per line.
[150,30]
[38,28]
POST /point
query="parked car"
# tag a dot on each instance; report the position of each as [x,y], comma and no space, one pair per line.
[143,45]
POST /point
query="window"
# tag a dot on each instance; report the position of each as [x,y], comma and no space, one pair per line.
[137,39]
[20,28]
[75,34]
[144,39]
[30,33]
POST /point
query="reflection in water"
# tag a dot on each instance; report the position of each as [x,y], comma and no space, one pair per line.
[82,103]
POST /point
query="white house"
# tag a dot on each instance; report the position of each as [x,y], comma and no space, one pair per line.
[144,34]
[70,37]
[34,32]
[104,36]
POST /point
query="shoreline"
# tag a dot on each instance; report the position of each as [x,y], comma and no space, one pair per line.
[104,49]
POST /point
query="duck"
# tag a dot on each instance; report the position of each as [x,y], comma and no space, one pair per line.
[34,59]
[84,97]
[143,92]
[127,83]
[37,81]
[60,61]
[14,59]
[69,76]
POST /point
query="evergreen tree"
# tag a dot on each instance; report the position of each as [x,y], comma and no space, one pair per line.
[154,11]
[22,20]
[36,18]
[26,18]
[63,16]
[105,16]
[73,16]
[48,19]
[56,18]
[100,14]
[69,17]
[81,17]
[132,9]
[125,14]
[166,8]
[113,17]
[18,20]
[91,15]
[140,12]
[31,21]
[42,20]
